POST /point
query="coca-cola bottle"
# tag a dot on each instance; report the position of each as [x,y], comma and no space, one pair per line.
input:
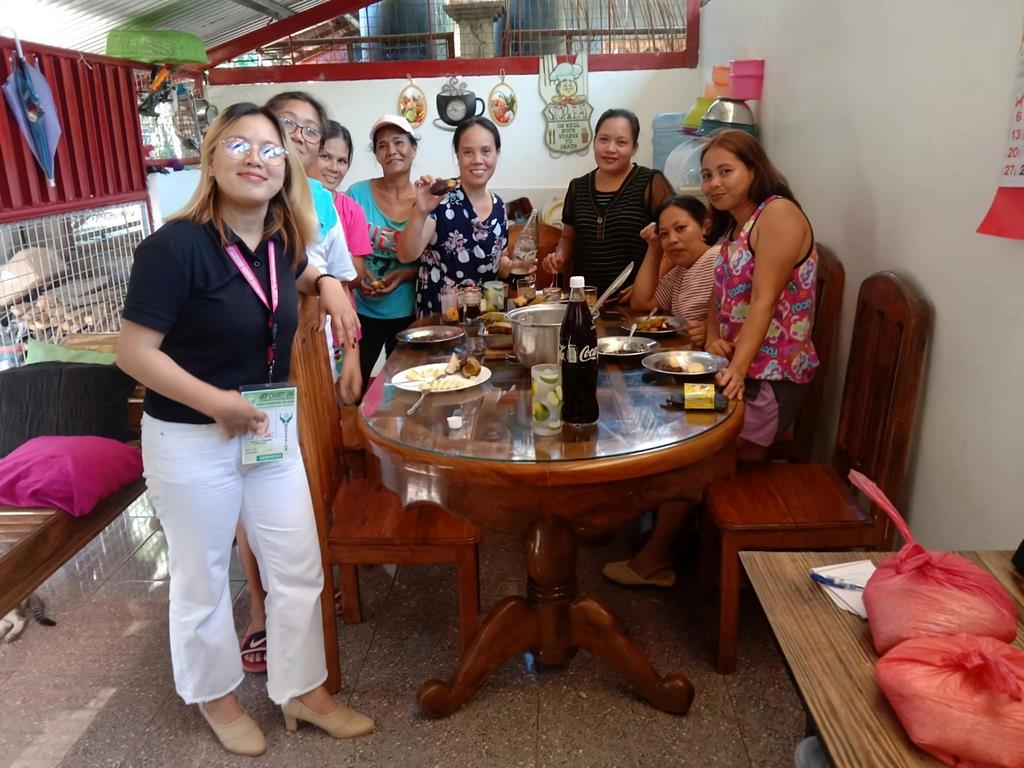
[577,342]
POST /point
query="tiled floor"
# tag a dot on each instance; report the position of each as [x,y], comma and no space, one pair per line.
[96,690]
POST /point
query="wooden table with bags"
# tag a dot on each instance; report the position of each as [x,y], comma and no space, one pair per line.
[832,659]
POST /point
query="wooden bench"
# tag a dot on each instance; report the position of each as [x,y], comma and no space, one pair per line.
[34,543]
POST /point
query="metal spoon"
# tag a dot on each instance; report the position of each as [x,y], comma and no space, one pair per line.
[416,406]
[629,341]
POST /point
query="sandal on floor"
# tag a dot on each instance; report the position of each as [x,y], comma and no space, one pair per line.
[621,573]
[252,645]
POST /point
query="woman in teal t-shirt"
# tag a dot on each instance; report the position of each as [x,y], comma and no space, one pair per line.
[386,291]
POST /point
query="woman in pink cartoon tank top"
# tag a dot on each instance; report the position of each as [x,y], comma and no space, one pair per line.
[762,305]
[760,318]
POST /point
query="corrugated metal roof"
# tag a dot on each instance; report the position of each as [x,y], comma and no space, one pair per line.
[82,25]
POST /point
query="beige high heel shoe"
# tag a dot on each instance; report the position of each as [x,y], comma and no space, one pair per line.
[240,737]
[342,723]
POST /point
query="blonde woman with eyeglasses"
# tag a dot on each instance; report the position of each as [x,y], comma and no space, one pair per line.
[212,306]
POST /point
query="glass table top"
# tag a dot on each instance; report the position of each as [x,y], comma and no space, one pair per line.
[496,414]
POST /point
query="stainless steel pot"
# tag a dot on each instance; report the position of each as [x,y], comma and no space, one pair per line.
[535,332]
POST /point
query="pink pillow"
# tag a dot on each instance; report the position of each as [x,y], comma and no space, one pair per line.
[69,473]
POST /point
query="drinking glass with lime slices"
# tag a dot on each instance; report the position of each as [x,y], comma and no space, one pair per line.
[546,387]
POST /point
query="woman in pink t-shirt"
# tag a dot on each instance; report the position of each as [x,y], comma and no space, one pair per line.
[678,271]
[332,166]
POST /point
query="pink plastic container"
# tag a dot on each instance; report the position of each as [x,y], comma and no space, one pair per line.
[747,67]
[746,78]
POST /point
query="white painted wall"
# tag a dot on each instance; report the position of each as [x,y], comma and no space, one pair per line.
[525,167]
[889,121]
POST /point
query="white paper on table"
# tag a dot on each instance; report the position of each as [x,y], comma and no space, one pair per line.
[857,572]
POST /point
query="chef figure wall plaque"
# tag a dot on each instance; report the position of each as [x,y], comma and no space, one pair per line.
[563,86]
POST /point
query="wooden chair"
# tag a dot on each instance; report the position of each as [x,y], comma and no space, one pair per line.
[797,443]
[811,506]
[360,522]
[547,240]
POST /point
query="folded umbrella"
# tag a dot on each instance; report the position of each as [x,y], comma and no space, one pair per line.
[31,102]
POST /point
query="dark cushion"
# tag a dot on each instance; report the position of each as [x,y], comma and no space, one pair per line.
[63,399]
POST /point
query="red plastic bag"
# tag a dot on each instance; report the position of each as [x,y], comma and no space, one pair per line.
[959,698]
[916,593]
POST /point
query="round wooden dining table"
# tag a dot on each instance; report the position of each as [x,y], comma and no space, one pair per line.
[495,471]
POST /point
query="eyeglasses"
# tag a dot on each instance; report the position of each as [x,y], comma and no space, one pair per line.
[239,149]
[309,134]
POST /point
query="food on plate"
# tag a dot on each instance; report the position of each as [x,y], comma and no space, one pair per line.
[471,368]
[655,323]
[497,327]
[682,365]
[443,186]
[453,364]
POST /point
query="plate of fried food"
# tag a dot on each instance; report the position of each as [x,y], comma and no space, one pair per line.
[684,363]
[655,324]
[455,374]
[497,332]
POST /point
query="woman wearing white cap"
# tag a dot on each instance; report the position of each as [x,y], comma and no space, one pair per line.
[386,291]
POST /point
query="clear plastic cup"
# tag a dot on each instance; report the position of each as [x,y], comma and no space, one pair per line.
[450,306]
[546,388]
[494,296]
[470,298]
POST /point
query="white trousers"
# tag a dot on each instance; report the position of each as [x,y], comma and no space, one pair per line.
[200,491]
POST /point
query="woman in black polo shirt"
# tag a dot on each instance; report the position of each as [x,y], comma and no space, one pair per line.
[605,210]
[212,306]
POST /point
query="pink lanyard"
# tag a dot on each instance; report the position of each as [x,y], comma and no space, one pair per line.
[250,278]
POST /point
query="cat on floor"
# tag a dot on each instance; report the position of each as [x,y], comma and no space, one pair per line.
[14,623]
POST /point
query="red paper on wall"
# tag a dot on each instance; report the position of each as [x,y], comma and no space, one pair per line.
[1005,217]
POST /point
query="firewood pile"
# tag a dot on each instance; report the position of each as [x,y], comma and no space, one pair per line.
[64,285]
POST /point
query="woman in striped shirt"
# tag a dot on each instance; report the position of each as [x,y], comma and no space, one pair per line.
[678,271]
[605,210]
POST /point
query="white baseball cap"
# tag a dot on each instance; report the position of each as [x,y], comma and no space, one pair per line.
[396,120]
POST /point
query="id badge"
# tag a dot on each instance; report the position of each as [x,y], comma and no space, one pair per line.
[282,437]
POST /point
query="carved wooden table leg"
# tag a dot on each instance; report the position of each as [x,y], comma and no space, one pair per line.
[509,629]
[553,623]
[594,627]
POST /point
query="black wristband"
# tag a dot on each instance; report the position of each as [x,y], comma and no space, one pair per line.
[321,276]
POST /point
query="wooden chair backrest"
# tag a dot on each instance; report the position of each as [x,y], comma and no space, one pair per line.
[828,298]
[319,420]
[547,239]
[883,381]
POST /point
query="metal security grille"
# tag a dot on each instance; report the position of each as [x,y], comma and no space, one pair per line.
[391,30]
[537,27]
[65,274]
[400,30]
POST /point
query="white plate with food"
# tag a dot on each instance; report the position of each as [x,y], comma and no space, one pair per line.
[684,363]
[655,324]
[437,377]
[623,346]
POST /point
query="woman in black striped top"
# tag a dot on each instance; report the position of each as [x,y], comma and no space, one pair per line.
[605,210]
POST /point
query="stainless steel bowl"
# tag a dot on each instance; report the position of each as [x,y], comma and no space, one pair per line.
[732,111]
[535,331]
